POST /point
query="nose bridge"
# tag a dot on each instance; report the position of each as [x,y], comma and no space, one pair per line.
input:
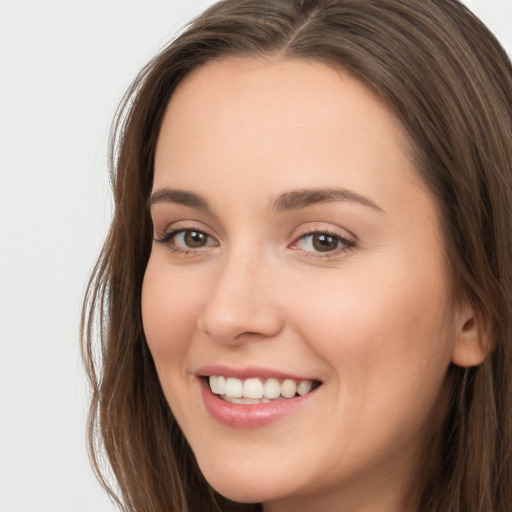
[243,299]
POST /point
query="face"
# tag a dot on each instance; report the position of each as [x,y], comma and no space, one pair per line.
[295,301]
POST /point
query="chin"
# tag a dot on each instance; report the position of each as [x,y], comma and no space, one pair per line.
[242,490]
[246,486]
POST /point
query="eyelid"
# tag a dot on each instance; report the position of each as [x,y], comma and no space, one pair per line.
[162,230]
[322,227]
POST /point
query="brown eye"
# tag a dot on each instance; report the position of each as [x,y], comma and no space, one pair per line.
[194,239]
[323,242]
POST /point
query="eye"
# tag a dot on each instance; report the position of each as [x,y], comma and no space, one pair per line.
[192,239]
[184,239]
[322,242]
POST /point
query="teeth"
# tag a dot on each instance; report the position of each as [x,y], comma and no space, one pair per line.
[304,387]
[234,388]
[288,388]
[253,388]
[246,401]
[272,389]
[214,385]
[221,385]
[218,385]
[255,391]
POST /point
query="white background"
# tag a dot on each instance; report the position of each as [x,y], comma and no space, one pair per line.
[64,66]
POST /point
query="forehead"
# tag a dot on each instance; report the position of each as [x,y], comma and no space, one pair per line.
[245,89]
[272,121]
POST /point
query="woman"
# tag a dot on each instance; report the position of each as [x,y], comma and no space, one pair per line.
[304,297]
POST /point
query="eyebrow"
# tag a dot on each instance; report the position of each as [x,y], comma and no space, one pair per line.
[167,195]
[293,200]
[297,199]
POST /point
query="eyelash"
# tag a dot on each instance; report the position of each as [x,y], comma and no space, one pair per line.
[343,244]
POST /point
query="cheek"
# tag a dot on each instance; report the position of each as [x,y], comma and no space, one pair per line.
[385,325]
[169,312]
[388,347]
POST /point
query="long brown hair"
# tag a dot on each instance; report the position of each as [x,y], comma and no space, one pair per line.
[450,83]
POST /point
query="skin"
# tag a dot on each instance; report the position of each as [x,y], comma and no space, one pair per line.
[372,319]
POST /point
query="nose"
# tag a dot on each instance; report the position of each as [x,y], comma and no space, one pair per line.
[243,304]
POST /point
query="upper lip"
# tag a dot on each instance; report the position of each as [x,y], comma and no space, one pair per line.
[247,372]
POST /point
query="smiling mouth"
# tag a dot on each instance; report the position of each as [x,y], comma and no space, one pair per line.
[259,391]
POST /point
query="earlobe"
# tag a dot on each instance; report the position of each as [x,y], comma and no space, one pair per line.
[472,342]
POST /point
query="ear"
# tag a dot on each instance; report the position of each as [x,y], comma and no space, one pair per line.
[472,341]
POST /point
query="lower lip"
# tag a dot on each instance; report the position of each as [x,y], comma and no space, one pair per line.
[254,415]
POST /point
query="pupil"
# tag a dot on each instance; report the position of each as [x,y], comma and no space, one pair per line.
[325,243]
[195,239]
